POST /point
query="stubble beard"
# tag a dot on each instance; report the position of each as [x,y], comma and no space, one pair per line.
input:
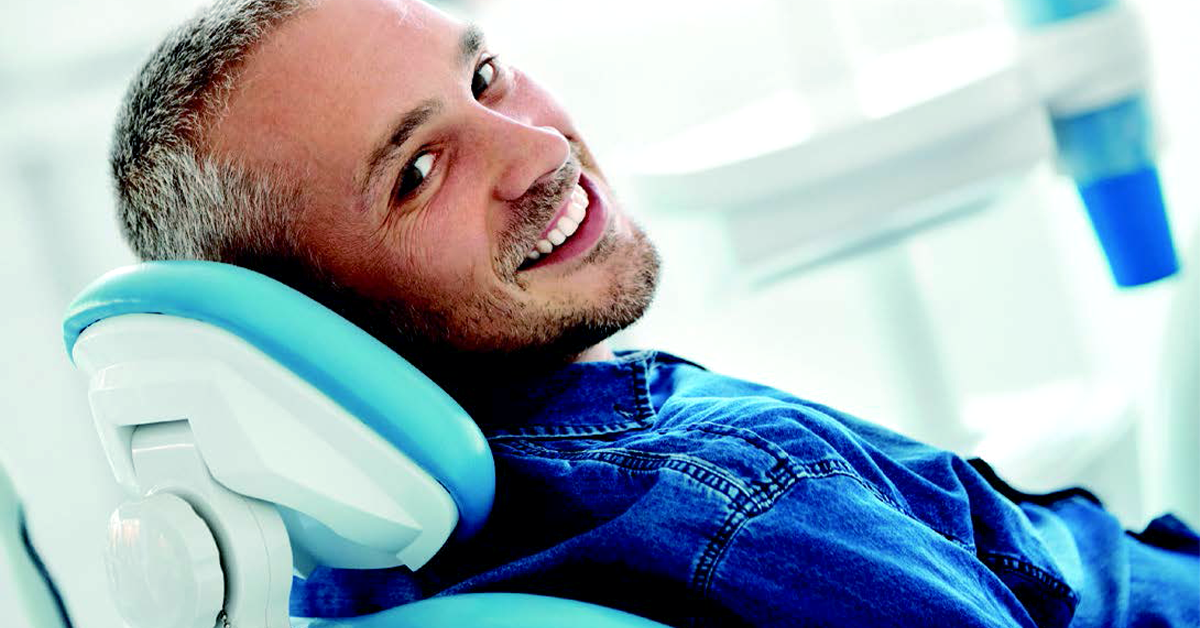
[456,343]
[493,331]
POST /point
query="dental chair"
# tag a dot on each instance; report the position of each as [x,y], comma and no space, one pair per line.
[260,435]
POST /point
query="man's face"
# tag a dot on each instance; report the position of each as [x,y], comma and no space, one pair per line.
[440,181]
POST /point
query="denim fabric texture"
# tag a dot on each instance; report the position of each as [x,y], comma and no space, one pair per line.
[652,485]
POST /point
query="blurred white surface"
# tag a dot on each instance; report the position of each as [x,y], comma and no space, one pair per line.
[1026,319]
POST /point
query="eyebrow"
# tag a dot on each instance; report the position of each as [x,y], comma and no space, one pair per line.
[404,127]
[470,44]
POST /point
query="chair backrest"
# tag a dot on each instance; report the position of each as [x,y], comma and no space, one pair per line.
[196,371]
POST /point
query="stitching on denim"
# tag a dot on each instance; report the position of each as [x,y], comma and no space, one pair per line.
[781,478]
[708,474]
[792,473]
[745,502]
[641,389]
[1015,564]
[829,467]
[746,506]
[713,552]
[822,468]
[762,491]
[760,494]
[771,449]
[841,467]
[640,416]
[750,437]
[570,431]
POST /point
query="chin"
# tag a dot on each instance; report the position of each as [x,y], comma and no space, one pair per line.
[609,295]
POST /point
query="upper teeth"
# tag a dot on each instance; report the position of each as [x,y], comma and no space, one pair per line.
[566,226]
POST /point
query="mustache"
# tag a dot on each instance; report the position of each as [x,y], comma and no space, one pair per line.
[533,211]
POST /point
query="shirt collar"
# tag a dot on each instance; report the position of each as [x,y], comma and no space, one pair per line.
[583,399]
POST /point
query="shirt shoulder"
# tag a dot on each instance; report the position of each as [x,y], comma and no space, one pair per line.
[744,443]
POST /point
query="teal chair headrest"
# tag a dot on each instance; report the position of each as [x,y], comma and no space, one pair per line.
[348,365]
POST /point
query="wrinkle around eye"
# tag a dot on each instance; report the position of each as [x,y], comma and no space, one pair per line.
[392,234]
[391,217]
[418,201]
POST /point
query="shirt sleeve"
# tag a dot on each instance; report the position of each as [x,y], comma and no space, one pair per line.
[830,553]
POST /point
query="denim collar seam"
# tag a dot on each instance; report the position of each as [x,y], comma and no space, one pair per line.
[643,409]
[640,416]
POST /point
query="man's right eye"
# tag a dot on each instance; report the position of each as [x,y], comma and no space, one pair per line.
[485,74]
[414,175]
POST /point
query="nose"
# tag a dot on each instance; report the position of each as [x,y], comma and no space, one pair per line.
[525,155]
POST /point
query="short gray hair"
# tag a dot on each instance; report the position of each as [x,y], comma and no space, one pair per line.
[174,201]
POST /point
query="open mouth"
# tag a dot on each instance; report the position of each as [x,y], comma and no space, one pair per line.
[576,227]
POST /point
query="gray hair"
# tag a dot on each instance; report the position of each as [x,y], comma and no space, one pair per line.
[174,201]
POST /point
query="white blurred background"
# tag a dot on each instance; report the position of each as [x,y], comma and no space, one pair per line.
[997,333]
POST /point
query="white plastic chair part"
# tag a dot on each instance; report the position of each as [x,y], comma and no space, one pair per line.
[314,544]
[1088,61]
[164,568]
[265,433]
[254,554]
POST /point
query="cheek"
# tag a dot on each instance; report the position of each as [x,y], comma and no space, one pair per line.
[454,243]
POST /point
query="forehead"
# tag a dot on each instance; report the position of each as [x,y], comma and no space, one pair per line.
[322,87]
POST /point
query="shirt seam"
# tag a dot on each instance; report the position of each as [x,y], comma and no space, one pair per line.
[640,416]
[1007,562]
[745,501]
[742,511]
[730,486]
[708,474]
[837,467]
[740,514]
[551,432]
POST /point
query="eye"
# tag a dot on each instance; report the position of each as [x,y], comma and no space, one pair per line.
[414,175]
[484,75]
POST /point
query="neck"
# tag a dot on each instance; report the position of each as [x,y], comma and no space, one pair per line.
[598,353]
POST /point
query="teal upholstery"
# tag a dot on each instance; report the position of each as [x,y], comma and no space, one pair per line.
[491,610]
[348,365]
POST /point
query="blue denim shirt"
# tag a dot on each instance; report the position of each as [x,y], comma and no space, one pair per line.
[652,485]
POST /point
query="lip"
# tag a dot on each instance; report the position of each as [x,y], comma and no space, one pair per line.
[588,234]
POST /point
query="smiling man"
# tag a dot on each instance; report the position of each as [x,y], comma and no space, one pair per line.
[437,177]
[378,156]
[446,191]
